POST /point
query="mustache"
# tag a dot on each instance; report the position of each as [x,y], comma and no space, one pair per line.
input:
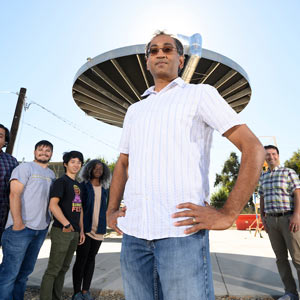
[42,161]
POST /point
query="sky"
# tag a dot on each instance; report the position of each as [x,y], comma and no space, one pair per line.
[44,43]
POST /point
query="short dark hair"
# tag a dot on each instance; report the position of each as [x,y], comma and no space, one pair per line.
[67,156]
[86,173]
[7,136]
[178,44]
[43,143]
[271,147]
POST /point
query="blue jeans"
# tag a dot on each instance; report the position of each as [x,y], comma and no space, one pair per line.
[171,268]
[20,251]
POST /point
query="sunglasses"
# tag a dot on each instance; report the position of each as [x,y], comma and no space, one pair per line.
[165,49]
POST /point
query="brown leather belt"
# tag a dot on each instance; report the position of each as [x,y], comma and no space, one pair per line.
[285,213]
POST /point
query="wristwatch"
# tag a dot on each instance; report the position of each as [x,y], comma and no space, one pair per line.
[67,226]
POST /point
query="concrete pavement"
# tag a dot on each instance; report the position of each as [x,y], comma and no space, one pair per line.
[243,265]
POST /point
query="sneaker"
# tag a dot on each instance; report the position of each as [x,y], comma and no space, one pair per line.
[78,296]
[87,296]
[289,296]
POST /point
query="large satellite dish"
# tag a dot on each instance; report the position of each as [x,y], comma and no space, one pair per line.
[108,84]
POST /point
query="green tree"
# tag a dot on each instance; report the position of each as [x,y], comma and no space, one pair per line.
[111,165]
[226,181]
[294,162]
[229,173]
[218,198]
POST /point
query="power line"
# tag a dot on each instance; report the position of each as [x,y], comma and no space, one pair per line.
[8,92]
[27,105]
[41,130]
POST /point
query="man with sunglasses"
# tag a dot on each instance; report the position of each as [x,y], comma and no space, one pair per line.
[163,167]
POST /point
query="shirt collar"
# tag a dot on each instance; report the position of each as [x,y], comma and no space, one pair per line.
[275,169]
[178,81]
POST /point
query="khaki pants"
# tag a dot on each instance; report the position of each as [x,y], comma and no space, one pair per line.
[282,241]
[63,246]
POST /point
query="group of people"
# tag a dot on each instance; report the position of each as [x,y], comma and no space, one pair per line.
[162,176]
[33,194]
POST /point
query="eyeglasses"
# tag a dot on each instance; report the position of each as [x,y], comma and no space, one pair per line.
[165,49]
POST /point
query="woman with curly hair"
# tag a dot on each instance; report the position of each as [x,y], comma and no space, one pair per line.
[96,178]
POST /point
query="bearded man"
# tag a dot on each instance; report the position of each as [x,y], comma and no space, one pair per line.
[27,223]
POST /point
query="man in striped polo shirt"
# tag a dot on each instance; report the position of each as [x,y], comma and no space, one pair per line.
[279,190]
[163,172]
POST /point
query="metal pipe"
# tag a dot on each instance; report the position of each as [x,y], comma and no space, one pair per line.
[195,52]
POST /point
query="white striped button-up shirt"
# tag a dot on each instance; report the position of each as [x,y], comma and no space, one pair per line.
[168,138]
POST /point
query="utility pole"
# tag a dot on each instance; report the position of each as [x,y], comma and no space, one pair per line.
[16,120]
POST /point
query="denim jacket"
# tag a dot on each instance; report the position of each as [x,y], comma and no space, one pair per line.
[88,197]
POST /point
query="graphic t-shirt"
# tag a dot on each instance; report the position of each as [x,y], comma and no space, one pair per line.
[68,191]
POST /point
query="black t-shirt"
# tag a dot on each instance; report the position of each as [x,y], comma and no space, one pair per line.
[68,191]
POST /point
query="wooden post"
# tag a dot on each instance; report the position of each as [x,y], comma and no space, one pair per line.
[16,120]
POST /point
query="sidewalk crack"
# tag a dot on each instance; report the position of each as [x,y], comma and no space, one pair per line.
[222,276]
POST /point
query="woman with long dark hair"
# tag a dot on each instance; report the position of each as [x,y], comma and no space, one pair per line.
[96,178]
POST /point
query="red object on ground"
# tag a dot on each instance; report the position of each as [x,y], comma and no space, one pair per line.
[244,221]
